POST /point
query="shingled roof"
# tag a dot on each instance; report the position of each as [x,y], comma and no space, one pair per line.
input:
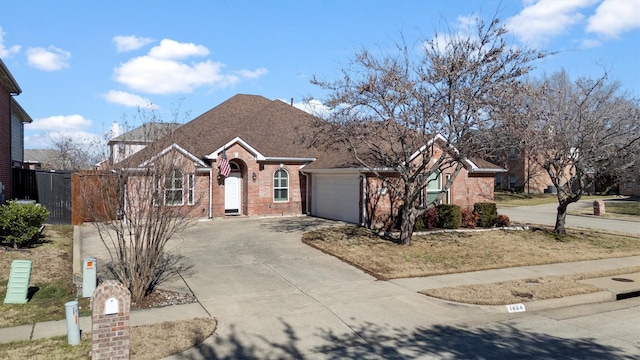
[272,127]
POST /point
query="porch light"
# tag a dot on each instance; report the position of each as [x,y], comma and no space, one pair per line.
[254,176]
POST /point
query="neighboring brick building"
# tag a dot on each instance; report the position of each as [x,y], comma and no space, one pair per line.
[12,119]
[523,173]
[276,168]
[630,184]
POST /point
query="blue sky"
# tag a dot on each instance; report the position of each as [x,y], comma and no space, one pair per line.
[83,65]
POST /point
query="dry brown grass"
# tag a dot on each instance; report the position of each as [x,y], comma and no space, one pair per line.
[51,274]
[147,342]
[454,252]
[519,291]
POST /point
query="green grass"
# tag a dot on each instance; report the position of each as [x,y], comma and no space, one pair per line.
[519,199]
[629,207]
[523,199]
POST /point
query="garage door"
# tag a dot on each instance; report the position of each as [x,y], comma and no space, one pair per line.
[336,197]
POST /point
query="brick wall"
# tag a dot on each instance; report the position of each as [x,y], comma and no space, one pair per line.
[110,333]
[466,190]
[257,195]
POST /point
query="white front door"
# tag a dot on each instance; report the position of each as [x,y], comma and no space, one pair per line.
[232,193]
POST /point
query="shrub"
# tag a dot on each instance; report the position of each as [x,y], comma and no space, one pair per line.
[503,220]
[430,218]
[419,225]
[488,214]
[20,223]
[449,216]
[469,218]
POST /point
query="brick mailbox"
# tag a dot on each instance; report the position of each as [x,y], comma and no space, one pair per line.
[110,321]
[598,208]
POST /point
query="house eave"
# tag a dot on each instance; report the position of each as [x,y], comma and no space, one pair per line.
[20,112]
[487,171]
[8,81]
[288,159]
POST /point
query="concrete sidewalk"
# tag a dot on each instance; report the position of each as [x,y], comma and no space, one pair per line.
[189,311]
[138,317]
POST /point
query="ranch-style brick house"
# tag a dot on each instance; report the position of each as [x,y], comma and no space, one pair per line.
[277,169]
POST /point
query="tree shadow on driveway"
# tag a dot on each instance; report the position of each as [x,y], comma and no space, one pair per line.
[299,224]
[372,341]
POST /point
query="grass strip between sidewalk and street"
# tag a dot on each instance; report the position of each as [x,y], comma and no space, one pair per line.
[457,252]
[148,342]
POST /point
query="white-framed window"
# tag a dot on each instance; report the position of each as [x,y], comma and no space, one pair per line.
[512,153]
[512,181]
[629,183]
[434,186]
[281,185]
[174,188]
[191,184]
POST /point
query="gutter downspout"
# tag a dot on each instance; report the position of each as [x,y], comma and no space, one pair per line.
[306,193]
[210,193]
[363,221]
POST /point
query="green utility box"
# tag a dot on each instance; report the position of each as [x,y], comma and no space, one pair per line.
[18,286]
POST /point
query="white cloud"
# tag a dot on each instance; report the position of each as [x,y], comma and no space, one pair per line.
[130,42]
[171,49]
[85,140]
[160,72]
[613,17]
[546,19]
[63,123]
[313,107]
[50,59]
[249,74]
[6,52]
[128,99]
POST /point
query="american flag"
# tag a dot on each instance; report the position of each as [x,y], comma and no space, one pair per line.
[224,168]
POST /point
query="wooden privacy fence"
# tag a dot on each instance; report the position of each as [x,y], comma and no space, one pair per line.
[51,189]
[94,196]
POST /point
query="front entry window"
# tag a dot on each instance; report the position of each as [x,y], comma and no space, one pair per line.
[281,185]
[173,188]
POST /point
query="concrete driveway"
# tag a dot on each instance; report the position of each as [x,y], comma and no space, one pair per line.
[275,297]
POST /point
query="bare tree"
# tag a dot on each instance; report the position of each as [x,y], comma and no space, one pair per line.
[140,205]
[71,153]
[387,109]
[575,129]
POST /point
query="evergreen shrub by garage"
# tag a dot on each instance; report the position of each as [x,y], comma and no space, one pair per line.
[488,214]
[20,223]
[449,216]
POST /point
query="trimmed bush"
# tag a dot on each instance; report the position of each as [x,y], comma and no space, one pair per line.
[20,223]
[430,218]
[503,220]
[449,216]
[488,214]
[469,218]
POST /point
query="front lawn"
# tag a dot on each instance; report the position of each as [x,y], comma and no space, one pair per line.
[453,252]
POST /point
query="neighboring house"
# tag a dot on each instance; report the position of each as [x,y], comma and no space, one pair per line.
[129,143]
[275,169]
[523,173]
[12,119]
[630,184]
[41,159]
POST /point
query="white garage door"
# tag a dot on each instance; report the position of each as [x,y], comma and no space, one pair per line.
[336,197]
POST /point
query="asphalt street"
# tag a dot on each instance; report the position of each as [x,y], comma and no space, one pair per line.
[546,215]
